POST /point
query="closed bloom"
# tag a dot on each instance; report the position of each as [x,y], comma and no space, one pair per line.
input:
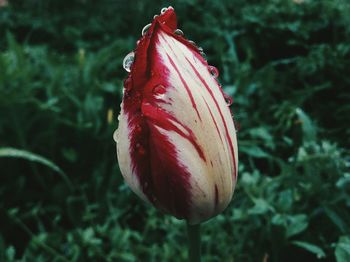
[176,140]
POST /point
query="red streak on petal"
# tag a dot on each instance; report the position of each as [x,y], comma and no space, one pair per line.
[163,180]
[216,196]
[163,119]
[212,117]
[169,181]
[186,86]
[222,117]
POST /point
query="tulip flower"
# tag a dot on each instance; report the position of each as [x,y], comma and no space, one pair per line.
[176,140]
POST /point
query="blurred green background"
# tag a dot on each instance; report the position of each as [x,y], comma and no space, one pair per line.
[286,63]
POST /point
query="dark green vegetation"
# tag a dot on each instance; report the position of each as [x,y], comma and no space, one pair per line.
[287,65]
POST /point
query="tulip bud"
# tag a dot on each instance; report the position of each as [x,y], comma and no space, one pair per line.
[176,140]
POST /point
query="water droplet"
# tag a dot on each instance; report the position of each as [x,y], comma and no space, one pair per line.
[192,43]
[158,90]
[178,32]
[200,50]
[163,10]
[115,134]
[228,100]
[128,60]
[213,71]
[140,149]
[154,17]
[138,129]
[145,29]
[203,55]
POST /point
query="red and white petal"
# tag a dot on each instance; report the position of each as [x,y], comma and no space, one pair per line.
[127,167]
[204,136]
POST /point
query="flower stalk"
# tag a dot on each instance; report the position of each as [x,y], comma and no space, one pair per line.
[194,243]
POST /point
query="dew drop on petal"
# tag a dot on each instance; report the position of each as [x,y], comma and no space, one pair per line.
[145,29]
[213,71]
[158,90]
[128,60]
[140,149]
[203,55]
[228,100]
[178,32]
[163,10]
[154,17]
[115,134]
[192,43]
[138,129]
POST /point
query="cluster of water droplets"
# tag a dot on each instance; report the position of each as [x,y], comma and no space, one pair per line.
[129,58]
[215,73]
[159,90]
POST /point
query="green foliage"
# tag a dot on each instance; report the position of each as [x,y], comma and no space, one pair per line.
[286,64]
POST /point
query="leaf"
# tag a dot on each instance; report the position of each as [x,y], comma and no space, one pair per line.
[292,224]
[10,253]
[297,224]
[70,154]
[254,151]
[311,248]
[18,153]
[342,250]
[336,219]
[308,127]
[263,134]
[261,207]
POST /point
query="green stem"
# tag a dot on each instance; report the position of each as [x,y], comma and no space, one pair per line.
[194,242]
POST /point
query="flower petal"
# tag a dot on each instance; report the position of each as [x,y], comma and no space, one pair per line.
[180,137]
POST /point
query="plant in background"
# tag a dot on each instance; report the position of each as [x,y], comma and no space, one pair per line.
[285,64]
[176,139]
